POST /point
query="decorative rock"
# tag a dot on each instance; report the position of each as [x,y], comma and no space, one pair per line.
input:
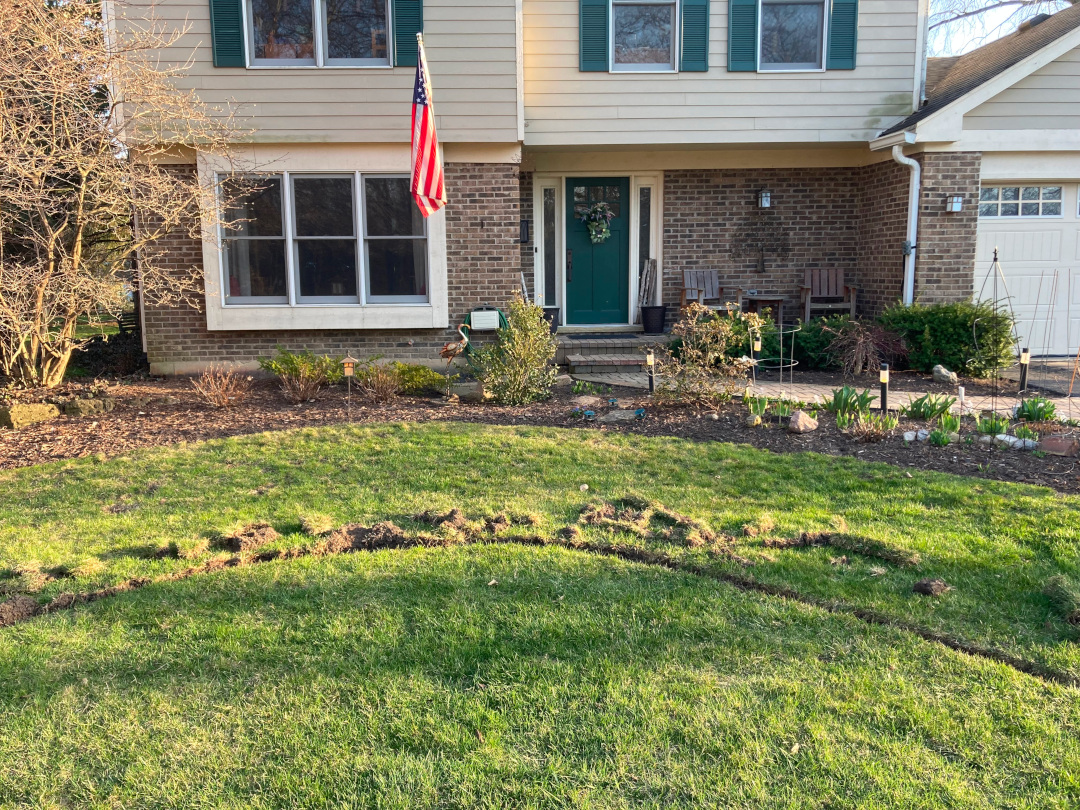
[617,416]
[469,392]
[931,587]
[1060,446]
[953,437]
[753,420]
[943,375]
[18,416]
[802,422]
[563,381]
[1005,440]
[89,407]
[586,401]
[911,436]
[922,435]
[1026,444]
[986,440]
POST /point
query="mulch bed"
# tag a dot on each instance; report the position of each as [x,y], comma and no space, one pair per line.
[151,413]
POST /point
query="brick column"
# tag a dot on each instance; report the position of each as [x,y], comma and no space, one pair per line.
[945,266]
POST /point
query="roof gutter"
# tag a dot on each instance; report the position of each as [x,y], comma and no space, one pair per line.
[914,191]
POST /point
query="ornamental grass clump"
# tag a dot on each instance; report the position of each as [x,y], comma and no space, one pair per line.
[302,374]
[697,368]
[220,387]
[517,368]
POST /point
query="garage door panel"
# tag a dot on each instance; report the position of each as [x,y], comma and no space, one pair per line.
[1034,252]
[1021,245]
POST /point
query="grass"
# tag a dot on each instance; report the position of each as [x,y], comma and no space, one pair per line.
[364,679]
[407,679]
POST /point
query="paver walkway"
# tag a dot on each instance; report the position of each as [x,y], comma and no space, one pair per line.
[809,392]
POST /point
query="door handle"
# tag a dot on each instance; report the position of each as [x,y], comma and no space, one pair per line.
[569,266]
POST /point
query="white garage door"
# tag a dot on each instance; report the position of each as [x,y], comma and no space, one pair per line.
[1036,229]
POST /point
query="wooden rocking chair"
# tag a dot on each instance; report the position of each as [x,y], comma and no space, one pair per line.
[703,286]
[824,291]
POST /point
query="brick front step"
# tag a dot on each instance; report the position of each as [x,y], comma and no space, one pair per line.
[605,363]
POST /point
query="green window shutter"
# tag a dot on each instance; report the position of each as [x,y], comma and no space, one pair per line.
[695,36]
[594,35]
[843,35]
[227,33]
[742,34]
[407,17]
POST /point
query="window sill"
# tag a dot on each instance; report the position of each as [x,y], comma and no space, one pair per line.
[271,317]
[321,67]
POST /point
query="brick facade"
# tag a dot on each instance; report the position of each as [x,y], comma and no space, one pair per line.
[883,211]
[945,266]
[706,211]
[483,267]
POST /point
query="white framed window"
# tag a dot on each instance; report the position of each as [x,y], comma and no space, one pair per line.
[318,33]
[791,35]
[1020,201]
[644,35]
[344,239]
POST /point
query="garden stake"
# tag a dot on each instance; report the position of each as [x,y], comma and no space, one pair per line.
[884,389]
[1025,361]
[349,367]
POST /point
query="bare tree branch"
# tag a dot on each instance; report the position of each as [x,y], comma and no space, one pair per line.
[90,126]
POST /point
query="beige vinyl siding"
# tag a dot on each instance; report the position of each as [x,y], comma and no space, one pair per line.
[472,54]
[563,106]
[1047,99]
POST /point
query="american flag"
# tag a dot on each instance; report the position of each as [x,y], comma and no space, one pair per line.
[427,170]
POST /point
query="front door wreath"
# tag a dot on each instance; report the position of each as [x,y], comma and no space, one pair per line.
[597,219]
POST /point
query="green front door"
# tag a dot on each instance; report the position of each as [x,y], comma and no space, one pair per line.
[597,275]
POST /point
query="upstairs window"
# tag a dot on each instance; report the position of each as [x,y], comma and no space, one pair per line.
[643,34]
[323,33]
[792,35]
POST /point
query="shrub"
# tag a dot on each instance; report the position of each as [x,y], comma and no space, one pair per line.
[516,368]
[950,422]
[302,375]
[966,337]
[992,424]
[861,346]
[420,381]
[1036,409]
[928,407]
[940,438]
[873,427]
[1024,432]
[700,369]
[848,401]
[377,383]
[220,387]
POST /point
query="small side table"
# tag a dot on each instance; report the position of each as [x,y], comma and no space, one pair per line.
[758,303]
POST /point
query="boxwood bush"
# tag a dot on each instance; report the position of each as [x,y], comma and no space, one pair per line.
[969,338]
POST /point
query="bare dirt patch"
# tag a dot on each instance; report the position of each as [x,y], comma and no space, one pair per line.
[18,609]
[252,537]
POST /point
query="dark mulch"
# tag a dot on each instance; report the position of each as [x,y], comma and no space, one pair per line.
[152,413]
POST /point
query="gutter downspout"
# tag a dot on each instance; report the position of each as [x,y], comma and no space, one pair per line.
[914,192]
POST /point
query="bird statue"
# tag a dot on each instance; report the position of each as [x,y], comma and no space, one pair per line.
[451,351]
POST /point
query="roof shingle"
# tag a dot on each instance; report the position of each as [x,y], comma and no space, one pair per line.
[950,78]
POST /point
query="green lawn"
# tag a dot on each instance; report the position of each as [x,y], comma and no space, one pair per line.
[403,679]
[364,679]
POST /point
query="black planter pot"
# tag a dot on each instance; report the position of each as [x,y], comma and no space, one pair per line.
[552,316]
[652,319]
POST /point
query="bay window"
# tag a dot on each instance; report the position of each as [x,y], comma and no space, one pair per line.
[792,35]
[644,33]
[323,33]
[341,239]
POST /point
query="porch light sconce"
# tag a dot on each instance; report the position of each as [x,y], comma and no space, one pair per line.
[764,198]
[954,203]
[524,232]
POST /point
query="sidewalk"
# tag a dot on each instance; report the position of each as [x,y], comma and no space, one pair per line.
[808,392]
